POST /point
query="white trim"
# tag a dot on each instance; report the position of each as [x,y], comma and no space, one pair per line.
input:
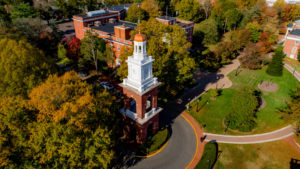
[93,19]
[292,38]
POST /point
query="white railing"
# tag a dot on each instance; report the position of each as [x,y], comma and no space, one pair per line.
[129,114]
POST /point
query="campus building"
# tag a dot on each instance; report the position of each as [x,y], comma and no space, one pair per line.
[187,26]
[140,112]
[272,2]
[292,40]
[109,25]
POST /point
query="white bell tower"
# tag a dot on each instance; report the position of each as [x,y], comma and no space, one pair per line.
[140,66]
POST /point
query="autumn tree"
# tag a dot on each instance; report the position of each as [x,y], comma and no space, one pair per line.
[76,123]
[207,31]
[22,67]
[255,30]
[64,124]
[93,50]
[151,7]
[135,13]
[275,68]
[251,58]
[122,71]
[14,120]
[62,55]
[189,10]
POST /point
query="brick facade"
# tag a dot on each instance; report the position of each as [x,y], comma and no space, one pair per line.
[187,26]
[292,40]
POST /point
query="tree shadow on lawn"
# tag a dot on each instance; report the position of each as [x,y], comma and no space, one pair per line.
[294,164]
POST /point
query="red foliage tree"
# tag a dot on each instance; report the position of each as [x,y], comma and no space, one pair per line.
[73,48]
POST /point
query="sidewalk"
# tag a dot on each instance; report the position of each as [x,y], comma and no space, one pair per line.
[293,71]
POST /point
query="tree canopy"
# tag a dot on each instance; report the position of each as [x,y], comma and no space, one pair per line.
[135,13]
[189,10]
[93,51]
[63,124]
[22,67]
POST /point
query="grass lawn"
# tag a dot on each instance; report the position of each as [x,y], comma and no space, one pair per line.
[155,142]
[293,63]
[213,113]
[209,156]
[273,155]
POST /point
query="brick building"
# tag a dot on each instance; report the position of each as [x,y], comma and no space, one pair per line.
[140,88]
[271,2]
[109,25]
[187,26]
[292,40]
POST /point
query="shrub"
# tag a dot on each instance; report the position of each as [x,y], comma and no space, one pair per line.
[242,115]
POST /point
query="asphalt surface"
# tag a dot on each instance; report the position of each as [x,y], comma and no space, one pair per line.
[179,151]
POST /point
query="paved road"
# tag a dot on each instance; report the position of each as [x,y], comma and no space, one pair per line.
[179,151]
[252,139]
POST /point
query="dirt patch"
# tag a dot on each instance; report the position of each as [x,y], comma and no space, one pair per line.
[268,86]
[262,103]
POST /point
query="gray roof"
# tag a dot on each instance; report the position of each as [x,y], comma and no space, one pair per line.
[167,18]
[109,27]
[295,32]
[290,25]
[119,7]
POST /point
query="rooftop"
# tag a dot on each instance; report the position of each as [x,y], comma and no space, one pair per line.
[167,18]
[119,7]
[93,14]
[109,27]
[290,25]
[295,32]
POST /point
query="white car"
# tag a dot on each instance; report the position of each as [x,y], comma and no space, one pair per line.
[106,85]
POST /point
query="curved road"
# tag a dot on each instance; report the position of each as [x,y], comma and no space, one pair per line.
[179,151]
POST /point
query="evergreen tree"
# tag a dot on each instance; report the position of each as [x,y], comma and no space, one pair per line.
[276,66]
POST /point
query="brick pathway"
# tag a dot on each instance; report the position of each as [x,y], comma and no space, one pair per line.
[291,140]
[200,145]
[252,139]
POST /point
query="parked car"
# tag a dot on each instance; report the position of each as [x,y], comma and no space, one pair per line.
[107,85]
[82,74]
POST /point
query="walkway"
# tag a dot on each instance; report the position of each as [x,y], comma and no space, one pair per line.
[252,139]
[293,71]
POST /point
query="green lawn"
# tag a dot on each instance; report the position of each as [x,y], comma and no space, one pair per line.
[209,156]
[273,155]
[293,63]
[212,113]
[155,142]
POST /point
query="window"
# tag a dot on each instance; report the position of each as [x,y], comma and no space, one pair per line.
[294,50]
[118,47]
[297,42]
